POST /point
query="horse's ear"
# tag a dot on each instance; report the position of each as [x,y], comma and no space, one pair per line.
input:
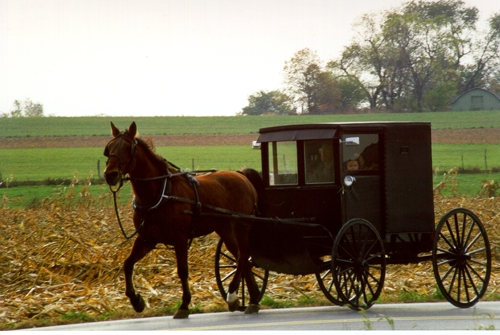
[114,131]
[132,130]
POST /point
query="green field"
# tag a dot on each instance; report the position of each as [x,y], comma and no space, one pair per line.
[52,163]
[58,166]
[63,163]
[98,126]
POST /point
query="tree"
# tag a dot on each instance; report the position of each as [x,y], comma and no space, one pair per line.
[32,109]
[26,109]
[372,64]
[351,94]
[485,58]
[17,111]
[402,55]
[328,93]
[273,102]
[313,89]
[420,42]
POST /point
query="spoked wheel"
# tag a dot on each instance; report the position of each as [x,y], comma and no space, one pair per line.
[461,257]
[326,283]
[358,264]
[225,268]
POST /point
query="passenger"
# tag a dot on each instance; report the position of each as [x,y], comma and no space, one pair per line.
[324,171]
[369,158]
[352,165]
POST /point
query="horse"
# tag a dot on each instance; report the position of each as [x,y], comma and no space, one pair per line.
[172,207]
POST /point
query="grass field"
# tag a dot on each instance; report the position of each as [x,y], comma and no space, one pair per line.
[63,163]
[98,126]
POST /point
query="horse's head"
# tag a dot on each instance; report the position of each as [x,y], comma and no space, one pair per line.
[121,152]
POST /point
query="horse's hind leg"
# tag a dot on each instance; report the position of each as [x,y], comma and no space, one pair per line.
[233,302]
[140,249]
[243,269]
[181,253]
[232,299]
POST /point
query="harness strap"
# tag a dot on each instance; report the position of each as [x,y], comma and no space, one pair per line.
[165,196]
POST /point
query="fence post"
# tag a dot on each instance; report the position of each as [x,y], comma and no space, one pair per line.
[485,160]
[99,169]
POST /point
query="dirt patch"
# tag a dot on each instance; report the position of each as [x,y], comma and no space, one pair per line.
[101,141]
[464,136]
[441,136]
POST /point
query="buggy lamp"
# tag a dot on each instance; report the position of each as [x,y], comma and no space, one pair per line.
[349,180]
[255,145]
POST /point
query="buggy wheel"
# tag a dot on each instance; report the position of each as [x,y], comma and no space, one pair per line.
[324,276]
[358,264]
[225,268]
[461,257]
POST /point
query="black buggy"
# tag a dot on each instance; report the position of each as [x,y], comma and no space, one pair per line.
[343,200]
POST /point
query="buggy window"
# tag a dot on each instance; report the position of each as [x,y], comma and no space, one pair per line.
[360,152]
[319,161]
[283,163]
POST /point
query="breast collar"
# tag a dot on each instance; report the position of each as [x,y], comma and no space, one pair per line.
[166,194]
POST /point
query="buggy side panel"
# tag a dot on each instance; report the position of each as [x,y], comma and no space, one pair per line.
[362,200]
[408,179]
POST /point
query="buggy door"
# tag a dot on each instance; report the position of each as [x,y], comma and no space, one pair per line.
[361,164]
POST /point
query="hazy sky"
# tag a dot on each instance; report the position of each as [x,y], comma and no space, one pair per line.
[165,57]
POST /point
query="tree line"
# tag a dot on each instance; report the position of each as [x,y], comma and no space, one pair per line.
[417,57]
[27,108]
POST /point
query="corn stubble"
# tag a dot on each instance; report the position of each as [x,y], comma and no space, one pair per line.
[65,257]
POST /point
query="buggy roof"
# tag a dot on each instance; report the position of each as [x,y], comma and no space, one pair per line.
[294,132]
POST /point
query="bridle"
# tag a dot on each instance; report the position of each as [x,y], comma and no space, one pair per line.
[133,144]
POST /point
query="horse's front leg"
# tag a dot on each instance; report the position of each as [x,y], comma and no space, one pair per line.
[181,253]
[140,249]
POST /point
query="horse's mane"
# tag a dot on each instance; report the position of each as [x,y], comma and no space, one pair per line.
[150,150]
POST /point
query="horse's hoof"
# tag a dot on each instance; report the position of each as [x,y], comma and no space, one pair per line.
[233,305]
[252,309]
[181,314]
[138,303]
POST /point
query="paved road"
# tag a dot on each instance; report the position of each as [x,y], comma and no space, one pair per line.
[416,316]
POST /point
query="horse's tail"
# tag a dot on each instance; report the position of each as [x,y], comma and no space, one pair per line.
[256,179]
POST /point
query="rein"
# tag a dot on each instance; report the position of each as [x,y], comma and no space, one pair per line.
[127,237]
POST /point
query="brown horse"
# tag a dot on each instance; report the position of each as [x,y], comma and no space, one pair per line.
[171,207]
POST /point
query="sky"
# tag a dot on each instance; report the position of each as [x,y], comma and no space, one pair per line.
[165,57]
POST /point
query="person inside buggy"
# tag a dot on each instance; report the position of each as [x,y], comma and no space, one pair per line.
[368,159]
[324,170]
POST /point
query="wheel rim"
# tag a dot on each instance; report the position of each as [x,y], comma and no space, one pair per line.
[461,258]
[327,284]
[225,268]
[358,264]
